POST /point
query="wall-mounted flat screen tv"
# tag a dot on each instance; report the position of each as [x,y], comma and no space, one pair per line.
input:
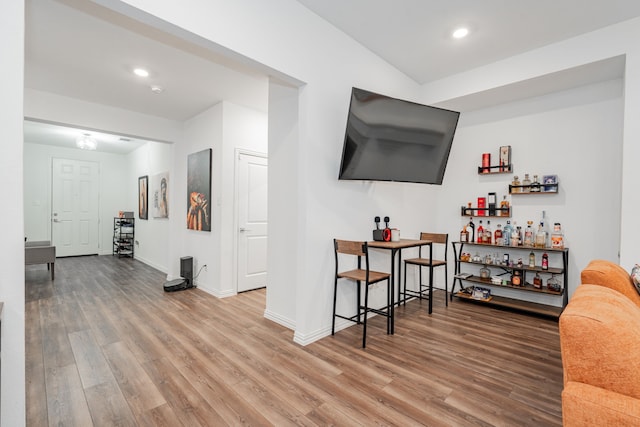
[388,139]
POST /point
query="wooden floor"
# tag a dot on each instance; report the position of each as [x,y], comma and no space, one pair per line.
[106,346]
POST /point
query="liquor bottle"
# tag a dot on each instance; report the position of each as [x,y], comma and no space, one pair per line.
[480,233]
[557,237]
[516,278]
[545,227]
[545,261]
[491,202]
[468,211]
[516,235]
[528,234]
[488,234]
[497,235]
[532,260]
[504,206]
[537,281]
[541,237]
[472,233]
[535,185]
[506,234]
[464,234]
[526,183]
[516,185]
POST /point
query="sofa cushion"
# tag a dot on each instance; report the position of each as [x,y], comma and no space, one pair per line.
[609,274]
[600,340]
[584,405]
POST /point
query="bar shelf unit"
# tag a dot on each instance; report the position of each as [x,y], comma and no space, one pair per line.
[560,269]
[123,237]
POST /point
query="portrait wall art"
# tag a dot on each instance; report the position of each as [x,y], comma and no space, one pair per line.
[160,195]
[199,190]
[143,193]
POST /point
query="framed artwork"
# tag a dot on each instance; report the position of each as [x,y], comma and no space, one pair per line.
[143,201]
[160,195]
[199,190]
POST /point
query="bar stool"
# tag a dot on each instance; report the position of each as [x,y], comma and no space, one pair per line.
[359,275]
[436,238]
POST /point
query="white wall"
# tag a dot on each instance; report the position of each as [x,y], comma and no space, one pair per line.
[575,134]
[224,128]
[12,388]
[596,46]
[151,235]
[114,173]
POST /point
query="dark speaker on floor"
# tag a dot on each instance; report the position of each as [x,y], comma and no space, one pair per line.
[186,270]
[186,279]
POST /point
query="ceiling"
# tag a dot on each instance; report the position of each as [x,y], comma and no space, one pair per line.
[79,49]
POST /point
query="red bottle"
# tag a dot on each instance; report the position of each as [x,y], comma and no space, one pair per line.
[480,233]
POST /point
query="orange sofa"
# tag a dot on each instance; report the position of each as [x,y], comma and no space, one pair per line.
[600,345]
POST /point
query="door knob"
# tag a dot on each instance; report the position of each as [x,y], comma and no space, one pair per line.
[242,229]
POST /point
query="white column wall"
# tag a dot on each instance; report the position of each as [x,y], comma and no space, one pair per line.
[12,388]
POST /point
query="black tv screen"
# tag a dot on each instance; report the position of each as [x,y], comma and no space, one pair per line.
[388,139]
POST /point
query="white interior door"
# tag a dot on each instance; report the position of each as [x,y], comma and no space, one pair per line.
[74,207]
[252,221]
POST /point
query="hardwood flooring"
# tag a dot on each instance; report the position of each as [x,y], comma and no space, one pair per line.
[105,346]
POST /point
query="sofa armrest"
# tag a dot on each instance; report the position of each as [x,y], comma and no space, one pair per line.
[610,275]
[584,405]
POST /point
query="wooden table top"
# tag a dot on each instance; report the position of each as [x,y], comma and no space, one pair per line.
[402,243]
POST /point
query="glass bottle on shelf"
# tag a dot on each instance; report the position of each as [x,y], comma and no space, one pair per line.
[537,281]
[464,234]
[516,278]
[497,235]
[506,234]
[472,233]
[528,234]
[504,206]
[468,211]
[488,234]
[557,237]
[545,261]
[485,272]
[535,185]
[532,260]
[526,183]
[516,236]
[516,184]
[541,237]
[553,285]
[480,233]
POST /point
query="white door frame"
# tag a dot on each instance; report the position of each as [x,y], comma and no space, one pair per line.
[236,196]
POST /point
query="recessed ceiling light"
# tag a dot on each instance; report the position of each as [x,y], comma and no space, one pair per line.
[460,33]
[156,89]
[141,72]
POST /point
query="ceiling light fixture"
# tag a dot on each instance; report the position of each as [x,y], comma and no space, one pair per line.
[141,72]
[156,89]
[86,142]
[460,33]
